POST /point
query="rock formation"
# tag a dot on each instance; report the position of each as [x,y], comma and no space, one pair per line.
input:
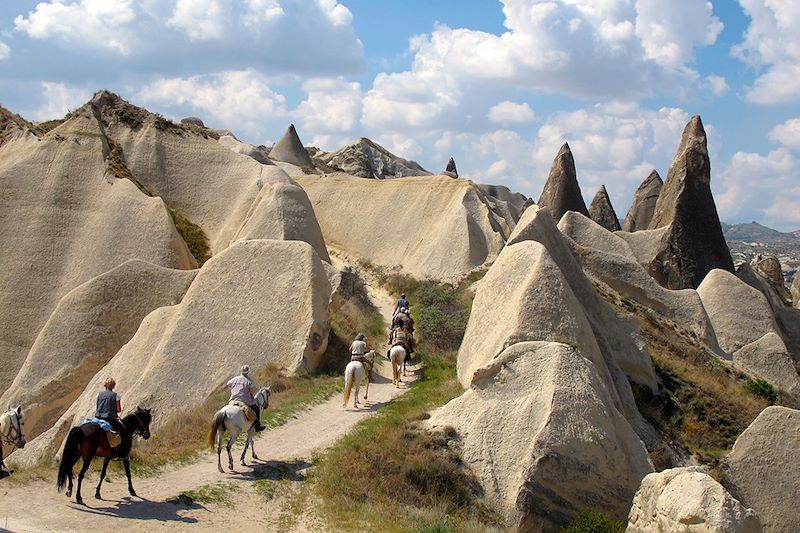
[602,212]
[688,499]
[644,203]
[430,226]
[194,121]
[561,191]
[89,325]
[258,302]
[694,243]
[770,269]
[289,149]
[746,329]
[451,169]
[542,433]
[762,468]
[68,214]
[259,153]
[795,290]
[511,204]
[606,257]
[367,159]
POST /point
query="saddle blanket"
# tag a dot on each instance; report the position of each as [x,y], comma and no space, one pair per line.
[114,438]
[102,423]
[249,414]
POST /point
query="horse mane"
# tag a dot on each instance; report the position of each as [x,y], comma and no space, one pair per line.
[135,419]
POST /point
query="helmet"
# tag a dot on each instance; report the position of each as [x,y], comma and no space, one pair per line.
[245,370]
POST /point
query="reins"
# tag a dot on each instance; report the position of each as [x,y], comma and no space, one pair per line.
[14,436]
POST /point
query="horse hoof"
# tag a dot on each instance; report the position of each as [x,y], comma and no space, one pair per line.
[221,471]
[97,496]
[133,493]
[79,501]
[69,493]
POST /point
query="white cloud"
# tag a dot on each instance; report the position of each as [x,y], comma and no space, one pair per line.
[507,112]
[787,133]
[238,100]
[718,85]
[261,11]
[762,187]
[199,19]
[337,13]
[100,23]
[5,51]
[59,99]
[772,42]
[332,106]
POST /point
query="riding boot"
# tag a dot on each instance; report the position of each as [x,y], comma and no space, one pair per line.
[257,424]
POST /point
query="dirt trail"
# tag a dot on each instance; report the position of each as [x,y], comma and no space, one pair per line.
[284,454]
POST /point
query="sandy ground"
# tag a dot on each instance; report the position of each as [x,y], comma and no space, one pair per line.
[284,453]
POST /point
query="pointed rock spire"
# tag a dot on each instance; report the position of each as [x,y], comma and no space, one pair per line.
[451,169]
[561,192]
[694,243]
[602,212]
[290,150]
[644,203]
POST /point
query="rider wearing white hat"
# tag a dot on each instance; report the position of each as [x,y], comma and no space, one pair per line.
[242,389]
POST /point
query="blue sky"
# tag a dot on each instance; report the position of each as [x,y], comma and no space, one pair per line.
[497,85]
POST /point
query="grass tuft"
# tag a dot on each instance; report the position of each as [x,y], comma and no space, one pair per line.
[762,388]
[594,521]
[193,235]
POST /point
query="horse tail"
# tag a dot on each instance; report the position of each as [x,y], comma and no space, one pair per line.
[216,423]
[349,378]
[70,456]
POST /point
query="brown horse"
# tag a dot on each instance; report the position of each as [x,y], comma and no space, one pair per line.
[94,442]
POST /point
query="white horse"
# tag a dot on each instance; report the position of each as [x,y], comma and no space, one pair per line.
[11,432]
[232,419]
[398,356]
[354,374]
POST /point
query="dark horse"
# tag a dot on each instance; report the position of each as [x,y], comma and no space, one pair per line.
[80,445]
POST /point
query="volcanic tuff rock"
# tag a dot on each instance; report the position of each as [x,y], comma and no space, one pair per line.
[513,204]
[688,499]
[258,302]
[795,289]
[259,153]
[561,191]
[88,326]
[763,469]
[644,203]
[694,243]
[281,211]
[602,212]
[65,217]
[367,159]
[195,121]
[450,170]
[289,149]
[608,258]
[431,226]
[616,336]
[541,432]
[770,268]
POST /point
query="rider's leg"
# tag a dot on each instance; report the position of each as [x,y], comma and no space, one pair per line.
[257,425]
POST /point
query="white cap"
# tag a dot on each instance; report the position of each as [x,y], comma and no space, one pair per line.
[245,370]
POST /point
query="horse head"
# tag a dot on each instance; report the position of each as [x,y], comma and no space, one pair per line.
[14,433]
[262,398]
[144,417]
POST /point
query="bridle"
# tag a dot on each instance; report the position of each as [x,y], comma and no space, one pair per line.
[14,436]
[142,427]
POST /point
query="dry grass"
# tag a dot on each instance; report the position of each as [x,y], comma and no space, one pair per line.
[705,404]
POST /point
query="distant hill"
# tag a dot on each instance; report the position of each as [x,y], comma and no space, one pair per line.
[755,232]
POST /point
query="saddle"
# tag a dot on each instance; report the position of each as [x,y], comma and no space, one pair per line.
[91,425]
[249,414]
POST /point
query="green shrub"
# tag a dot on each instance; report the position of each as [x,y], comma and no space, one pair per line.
[194,236]
[594,521]
[763,388]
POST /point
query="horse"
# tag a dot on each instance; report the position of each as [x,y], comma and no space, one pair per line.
[232,418]
[11,432]
[398,356]
[354,374]
[93,443]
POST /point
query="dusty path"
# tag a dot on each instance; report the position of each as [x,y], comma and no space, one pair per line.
[284,452]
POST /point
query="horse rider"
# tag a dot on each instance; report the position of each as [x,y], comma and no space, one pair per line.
[243,389]
[358,349]
[409,321]
[402,303]
[400,335]
[400,316]
[109,404]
